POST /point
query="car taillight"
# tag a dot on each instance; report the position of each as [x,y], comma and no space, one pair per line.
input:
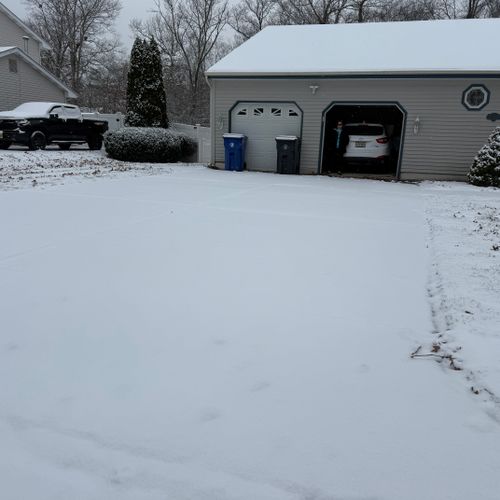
[383,140]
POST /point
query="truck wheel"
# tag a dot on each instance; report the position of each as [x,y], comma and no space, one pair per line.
[64,146]
[37,140]
[95,142]
[5,144]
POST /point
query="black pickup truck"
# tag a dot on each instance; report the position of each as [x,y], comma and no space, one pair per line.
[38,124]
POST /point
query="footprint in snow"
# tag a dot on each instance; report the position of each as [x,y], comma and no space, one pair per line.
[209,415]
[363,368]
[259,386]
[220,342]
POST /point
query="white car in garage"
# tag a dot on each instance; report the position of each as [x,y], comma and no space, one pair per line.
[368,142]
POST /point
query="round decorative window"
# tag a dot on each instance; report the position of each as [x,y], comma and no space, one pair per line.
[476,97]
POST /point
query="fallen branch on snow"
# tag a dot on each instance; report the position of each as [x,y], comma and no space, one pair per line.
[452,361]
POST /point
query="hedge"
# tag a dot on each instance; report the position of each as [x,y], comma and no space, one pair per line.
[152,145]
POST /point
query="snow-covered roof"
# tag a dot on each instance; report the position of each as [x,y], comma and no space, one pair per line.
[6,51]
[23,26]
[32,110]
[451,46]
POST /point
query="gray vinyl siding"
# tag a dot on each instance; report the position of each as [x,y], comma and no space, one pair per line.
[11,35]
[449,137]
[25,85]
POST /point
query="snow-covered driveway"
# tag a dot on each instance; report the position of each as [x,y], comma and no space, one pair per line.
[206,335]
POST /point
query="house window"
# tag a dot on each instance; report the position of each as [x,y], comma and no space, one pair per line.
[13,65]
[292,112]
[258,111]
[275,111]
[476,97]
[242,112]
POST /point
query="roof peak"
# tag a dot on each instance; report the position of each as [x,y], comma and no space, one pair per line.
[23,25]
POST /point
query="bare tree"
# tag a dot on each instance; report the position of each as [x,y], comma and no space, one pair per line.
[467,9]
[404,10]
[105,88]
[312,11]
[250,16]
[78,33]
[362,11]
[187,32]
[493,8]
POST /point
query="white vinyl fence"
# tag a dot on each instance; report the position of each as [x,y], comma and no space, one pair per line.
[202,137]
[200,134]
[115,120]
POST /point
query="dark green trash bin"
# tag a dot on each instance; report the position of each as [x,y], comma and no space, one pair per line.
[288,154]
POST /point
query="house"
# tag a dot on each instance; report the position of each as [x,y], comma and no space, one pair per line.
[22,77]
[435,85]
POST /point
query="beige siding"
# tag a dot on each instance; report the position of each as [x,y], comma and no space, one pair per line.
[25,85]
[11,35]
[449,134]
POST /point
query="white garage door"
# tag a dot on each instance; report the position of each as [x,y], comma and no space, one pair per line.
[261,123]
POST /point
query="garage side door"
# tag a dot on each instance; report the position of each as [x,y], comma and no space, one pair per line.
[261,123]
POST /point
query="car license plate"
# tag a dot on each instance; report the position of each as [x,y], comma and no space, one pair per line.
[359,144]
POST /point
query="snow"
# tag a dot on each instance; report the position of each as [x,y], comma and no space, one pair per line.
[396,47]
[464,233]
[30,110]
[204,334]
[233,136]
[20,168]
[286,138]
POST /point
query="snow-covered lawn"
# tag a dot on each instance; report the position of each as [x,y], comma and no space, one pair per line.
[20,168]
[210,335]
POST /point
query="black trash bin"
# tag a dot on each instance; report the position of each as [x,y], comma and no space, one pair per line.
[288,154]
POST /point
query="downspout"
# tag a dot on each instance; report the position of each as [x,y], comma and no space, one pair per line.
[212,120]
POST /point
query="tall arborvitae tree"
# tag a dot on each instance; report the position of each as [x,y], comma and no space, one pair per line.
[134,116]
[146,101]
[156,102]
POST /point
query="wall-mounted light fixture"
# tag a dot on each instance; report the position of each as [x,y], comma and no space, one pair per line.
[220,121]
[416,126]
[314,88]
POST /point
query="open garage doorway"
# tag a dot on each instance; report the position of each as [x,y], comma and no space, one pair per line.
[376,132]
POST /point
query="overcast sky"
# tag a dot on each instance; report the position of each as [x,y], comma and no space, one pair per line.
[131,9]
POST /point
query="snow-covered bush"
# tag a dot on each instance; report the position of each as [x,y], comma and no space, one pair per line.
[142,144]
[485,171]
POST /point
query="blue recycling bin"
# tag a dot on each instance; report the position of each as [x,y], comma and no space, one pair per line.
[234,147]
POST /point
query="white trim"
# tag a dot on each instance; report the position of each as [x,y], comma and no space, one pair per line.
[23,26]
[17,51]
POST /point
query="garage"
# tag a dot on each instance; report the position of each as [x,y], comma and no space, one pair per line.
[431,109]
[375,131]
[261,122]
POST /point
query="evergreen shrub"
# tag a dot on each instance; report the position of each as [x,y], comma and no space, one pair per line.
[485,170]
[146,100]
[147,144]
